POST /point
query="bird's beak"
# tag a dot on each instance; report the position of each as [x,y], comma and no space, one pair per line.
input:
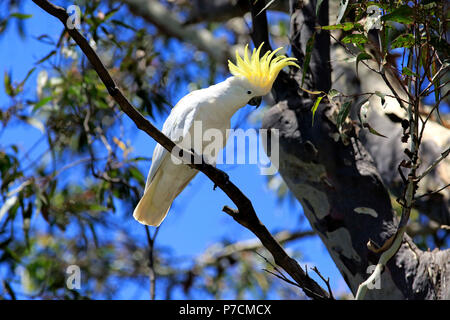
[256,101]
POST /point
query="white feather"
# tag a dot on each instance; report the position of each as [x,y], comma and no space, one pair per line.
[214,107]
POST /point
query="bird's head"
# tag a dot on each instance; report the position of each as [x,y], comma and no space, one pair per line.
[257,74]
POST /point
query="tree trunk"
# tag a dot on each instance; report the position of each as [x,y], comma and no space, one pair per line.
[338,184]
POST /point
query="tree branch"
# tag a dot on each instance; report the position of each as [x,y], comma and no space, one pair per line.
[213,254]
[168,23]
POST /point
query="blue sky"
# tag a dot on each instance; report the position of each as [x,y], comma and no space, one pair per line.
[196,219]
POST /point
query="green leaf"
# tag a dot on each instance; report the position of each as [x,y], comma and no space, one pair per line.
[123,24]
[373,131]
[8,85]
[110,13]
[346,26]
[408,72]
[45,39]
[27,76]
[343,113]
[362,56]
[137,175]
[333,93]
[308,52]
[342,8]
[98,208]
[46,57]
[41,103]
[356,38]
[403,14]
[312,92]
[315,106]
[21,16]
[403,41]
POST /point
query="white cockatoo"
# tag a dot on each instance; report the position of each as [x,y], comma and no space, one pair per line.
[213,108]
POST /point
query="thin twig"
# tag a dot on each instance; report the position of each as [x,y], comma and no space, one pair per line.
[435,163]
[433,192]
[327,281]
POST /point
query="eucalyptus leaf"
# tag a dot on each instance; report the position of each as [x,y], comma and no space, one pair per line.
[362,56]
[21,16]
[403,14]
[315,106]
[343,113]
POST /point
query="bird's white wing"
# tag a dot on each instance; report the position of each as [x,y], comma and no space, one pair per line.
[179,122]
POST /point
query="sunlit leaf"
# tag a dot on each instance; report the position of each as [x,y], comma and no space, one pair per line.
[373,131]
[356,38]
[21,16]
[8,85]
[408,72]
[8,204]
[42,102]
[315,106]
[312,92]
[346,26]
[332,94]
[403,41]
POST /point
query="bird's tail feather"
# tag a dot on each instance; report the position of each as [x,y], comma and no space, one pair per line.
[147,211]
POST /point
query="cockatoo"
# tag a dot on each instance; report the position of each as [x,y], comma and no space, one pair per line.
[214,106]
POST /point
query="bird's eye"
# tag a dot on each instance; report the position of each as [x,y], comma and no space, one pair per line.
[249,92]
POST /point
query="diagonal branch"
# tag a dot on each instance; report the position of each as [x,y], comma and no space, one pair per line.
[213,254]
[245,215]
[157,14]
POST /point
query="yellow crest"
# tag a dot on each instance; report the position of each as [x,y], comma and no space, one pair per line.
[260,72]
